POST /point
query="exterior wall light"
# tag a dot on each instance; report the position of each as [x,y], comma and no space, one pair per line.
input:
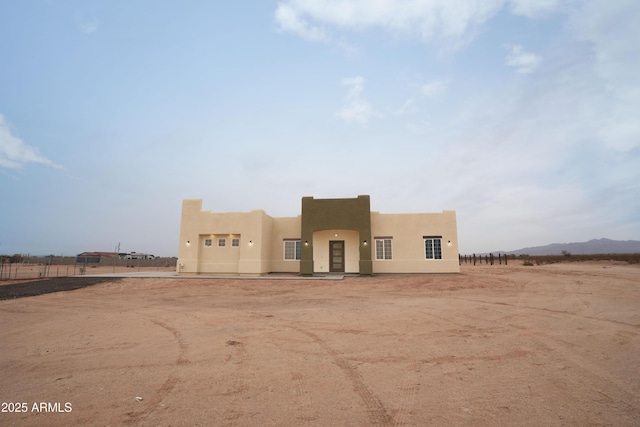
[448,242]
[365,243]
[188,242]
[250,242]
[306,243]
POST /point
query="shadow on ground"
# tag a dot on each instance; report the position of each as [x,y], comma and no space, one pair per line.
[40,287]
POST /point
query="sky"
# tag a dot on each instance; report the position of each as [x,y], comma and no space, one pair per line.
[523,116]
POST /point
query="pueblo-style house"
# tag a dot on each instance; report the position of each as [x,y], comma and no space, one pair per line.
[330,236]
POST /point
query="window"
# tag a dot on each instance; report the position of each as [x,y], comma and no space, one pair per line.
[222,243]
[207,242]
[292,250]
[383,248]
[235,242]
[433,247]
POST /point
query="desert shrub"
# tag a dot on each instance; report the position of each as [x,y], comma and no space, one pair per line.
[527,263]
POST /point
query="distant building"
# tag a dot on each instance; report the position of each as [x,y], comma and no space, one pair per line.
[330,236]
[95,257]
[136,255]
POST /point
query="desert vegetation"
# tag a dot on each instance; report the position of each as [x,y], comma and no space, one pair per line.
[568,257]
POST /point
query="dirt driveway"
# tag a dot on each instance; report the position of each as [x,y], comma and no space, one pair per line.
[494,345]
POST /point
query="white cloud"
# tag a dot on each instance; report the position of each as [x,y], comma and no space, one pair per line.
[356,110]
[14,153]
[434,88]
[87,26]
[430,89]
[535,8]
[611,29]
[454,23]
[524,62]
[290,20]
[407,107]
[355,85]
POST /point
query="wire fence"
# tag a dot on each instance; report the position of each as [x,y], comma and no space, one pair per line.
[486,258]
[529,260]
[50,267]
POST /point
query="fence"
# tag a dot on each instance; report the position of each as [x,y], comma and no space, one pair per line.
[487,258]
[51,267]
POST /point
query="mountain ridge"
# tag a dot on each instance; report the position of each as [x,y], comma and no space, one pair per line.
[593,246]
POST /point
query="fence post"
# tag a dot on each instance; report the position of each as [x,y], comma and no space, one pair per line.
[474,259]
[505,259]
[491,258]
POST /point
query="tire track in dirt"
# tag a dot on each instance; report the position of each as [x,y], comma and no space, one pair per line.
[307,413]
[548,310]
[151,405]
[409,391]
[378,414]
[237,393]
[564,352]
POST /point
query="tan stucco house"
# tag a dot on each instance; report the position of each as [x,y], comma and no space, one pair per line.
[330,236]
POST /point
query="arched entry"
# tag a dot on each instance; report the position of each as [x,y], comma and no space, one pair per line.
[336,251]
[322,217]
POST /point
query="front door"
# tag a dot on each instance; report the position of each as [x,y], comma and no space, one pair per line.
[336,256]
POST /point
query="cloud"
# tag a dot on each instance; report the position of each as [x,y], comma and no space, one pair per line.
[356,110]
[14,153]
[453,22]
[536,8]
[434,88]
[523,62]
[428,90]
[611,30]
[550,171]
[290,20]
[86,26]
[356,86]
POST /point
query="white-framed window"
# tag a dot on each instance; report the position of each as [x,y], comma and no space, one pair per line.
[235,242]
[222,242]
[208,242]
[433,247]
[292,250]
[383,248]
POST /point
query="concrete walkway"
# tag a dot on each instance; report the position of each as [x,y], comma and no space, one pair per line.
[174,275]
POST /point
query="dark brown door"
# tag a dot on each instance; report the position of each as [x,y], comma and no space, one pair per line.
[336,256]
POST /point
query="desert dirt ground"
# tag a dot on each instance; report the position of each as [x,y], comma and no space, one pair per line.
[495,345]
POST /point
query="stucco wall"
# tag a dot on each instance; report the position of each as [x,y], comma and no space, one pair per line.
[283,228]
[252,228]
[407,231]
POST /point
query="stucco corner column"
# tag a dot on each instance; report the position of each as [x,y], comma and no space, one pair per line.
[306,267]
[366,267]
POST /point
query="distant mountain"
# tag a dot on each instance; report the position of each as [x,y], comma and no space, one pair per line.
[595,246]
